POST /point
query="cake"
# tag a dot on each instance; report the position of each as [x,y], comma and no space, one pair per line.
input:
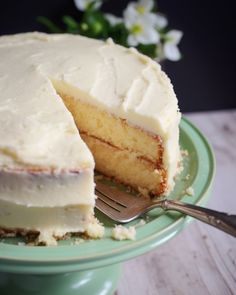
[68,103]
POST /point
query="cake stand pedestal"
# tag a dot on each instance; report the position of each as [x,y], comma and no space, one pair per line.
[101,281]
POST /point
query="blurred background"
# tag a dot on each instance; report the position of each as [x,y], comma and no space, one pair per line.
[204,79]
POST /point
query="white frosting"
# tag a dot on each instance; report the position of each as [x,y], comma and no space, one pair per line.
[47,189]
[50,222]
[36,130]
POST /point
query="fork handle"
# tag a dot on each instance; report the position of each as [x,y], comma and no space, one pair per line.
[220,220]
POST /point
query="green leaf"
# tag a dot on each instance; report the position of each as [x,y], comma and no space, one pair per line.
[119,34]
[92,6]
[155,6]
[72,26]
[52,28]
[147,49]
[94,25]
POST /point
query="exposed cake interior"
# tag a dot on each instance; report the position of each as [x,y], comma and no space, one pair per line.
[121,151]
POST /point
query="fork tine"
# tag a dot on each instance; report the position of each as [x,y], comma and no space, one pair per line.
[103,207]
[118,196]
[118,204]
[105,195]
[109,201]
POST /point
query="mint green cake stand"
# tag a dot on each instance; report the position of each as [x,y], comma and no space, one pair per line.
[93,266]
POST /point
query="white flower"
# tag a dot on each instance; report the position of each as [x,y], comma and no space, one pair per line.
[141,27]
[84,4]
[141,7]
[141,31]
[160,21]
[171,51]
[112,19]
[137,9]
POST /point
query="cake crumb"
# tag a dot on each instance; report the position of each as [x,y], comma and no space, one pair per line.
[21,243]
[120,233]
[45,238]
[128,189]
[143,191]
[156,171]
[190,191]
[140,223]
[187,177]
[95,230]
[184,153]
[78,241]
[180,168]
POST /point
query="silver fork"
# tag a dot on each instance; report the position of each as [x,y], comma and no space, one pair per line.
[123,207]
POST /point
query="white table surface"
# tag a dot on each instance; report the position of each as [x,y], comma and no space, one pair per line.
[201,259]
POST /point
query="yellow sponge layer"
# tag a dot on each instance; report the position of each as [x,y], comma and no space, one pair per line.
[121,151]
[126,167]
[114,130]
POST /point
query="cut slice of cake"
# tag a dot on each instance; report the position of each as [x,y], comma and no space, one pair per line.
[46,174]
[127,115]
[46,170]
